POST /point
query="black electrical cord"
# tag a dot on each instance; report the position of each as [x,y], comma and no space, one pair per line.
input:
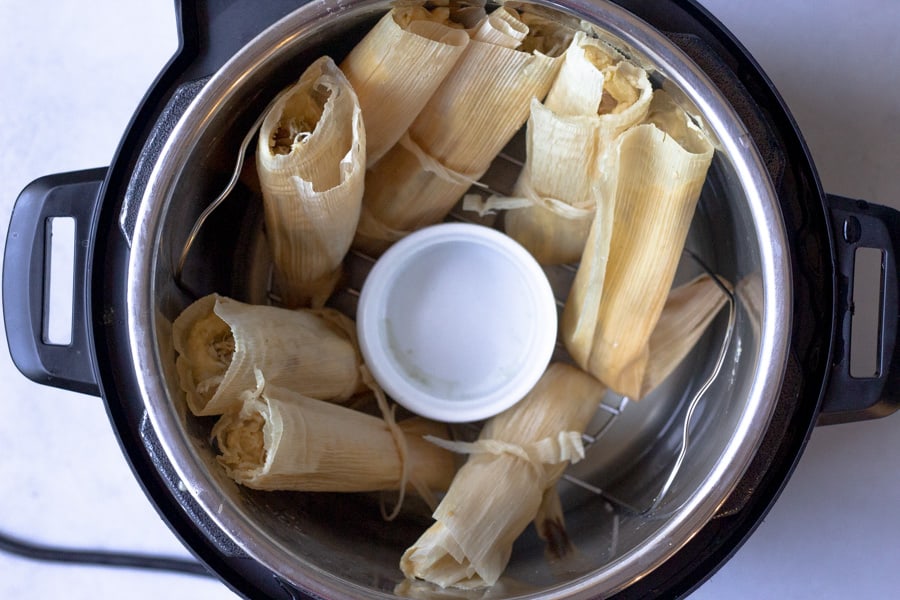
[101,558]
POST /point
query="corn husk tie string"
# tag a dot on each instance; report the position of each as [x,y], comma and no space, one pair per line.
[388,413]
[281,440]
[564,447]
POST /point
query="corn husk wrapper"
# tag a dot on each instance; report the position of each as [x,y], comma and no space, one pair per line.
[310,159]
[653,175]
[751,294]
[689,310]
[397,67]
[222,342]
[281,440]
[519,454]
[477,109]
[595,97]
[550,524]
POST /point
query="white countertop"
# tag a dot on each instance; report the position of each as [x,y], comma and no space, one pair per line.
[72,74]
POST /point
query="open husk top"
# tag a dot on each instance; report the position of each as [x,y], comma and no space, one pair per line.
[221,343]
[311,162]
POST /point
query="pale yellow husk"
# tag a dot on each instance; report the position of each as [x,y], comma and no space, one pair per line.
[750,292]
[550,524]
[595,97]
[519,455]
[654,173]
[476,110]
[221,342]
[397,67]
[281,440]
[311,159]
[689,310]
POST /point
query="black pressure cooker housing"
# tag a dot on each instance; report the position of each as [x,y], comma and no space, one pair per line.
[823,232]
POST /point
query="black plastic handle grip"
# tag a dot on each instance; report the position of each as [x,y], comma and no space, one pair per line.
[858,224]
[212,31]
[25,280]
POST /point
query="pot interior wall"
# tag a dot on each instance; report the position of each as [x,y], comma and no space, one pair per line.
[341,539]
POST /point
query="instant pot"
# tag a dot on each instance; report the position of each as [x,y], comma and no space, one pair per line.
[764,223]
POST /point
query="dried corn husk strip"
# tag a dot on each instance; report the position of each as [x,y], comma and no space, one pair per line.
[593,99]
[503,27]
[311,163]
[578,88]
[396,68]
[473,114]
[551,526]
[751,297]
[519,454]
[626,271]
[416,589]
[281,440]
[389,415]
[220,342]
[688,312]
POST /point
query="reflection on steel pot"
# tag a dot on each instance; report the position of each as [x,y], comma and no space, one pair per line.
[762,223]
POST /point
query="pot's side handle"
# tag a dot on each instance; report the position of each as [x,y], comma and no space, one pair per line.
[26,280]
[212,31]
[858,224]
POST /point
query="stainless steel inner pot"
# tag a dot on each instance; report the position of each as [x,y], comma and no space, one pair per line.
[338,546]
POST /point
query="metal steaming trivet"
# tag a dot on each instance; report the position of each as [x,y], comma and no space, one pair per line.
[506,168]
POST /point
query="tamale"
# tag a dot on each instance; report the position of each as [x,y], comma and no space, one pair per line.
[499,490]
[397,67]
[654,173]
[282,440]
[476,110]
[690,309]
[220,342]
[310,159]
[594,98]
